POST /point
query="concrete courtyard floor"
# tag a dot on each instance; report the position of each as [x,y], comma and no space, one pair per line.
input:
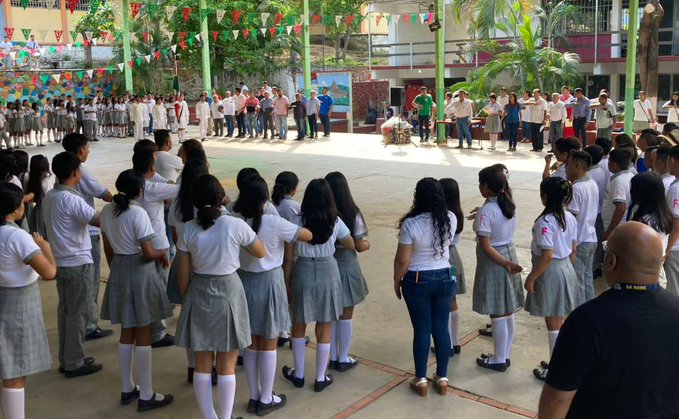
[382,181]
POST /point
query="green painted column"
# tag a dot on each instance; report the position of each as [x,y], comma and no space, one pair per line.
[205,39]
[127,49]
[631,70]
[440,55]
[306,50]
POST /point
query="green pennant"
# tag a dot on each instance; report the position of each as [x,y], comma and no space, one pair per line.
[45,78]
[53,50]
[192,35]
[414,18]
[153,8]
[78,44]
[118,35]
[359,19]
[328,20]
[191,40]
[166,52]
[27,33]
[80,74]
[204,13]
[253,33]
[24,3]
[292,20]
[139,61]
[389,17]
[251,18]
[281,29]
[94,5]
[227,34]
[74,35]
[110,69]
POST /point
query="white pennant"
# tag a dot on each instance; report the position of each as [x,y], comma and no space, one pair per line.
[57,77]
[396,18]
[121,66]
[94,41]
[43,34]
[169,10]
[265,17]
[422,16]
[289,29]
[42,50]
[89,73]
[202,35]
[89,34]
[174,48]
[338,20]
[147,58]
[220,15]
[235,34]
[263,31]
[13,54]
[51,4]
[69,46]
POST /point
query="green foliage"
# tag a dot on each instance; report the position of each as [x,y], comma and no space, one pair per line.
[98,19]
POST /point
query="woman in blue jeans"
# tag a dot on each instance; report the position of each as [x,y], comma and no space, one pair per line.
[512,117]
[422,275]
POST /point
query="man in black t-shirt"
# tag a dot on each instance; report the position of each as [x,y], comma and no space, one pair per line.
[616,356]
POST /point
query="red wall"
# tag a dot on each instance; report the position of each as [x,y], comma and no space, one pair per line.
[366,93]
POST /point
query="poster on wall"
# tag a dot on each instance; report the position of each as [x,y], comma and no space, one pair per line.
[27,86]
[339,87]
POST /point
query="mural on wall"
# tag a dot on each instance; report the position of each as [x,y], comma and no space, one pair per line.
[338,83]
[40,86]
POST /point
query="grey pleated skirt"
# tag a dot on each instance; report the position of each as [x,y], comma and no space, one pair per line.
[173,293]
[28,122]
[135,295]
[672,272]
[316,290]
[556,291]
[37,123]
[24,349]
[36,224]
[60,121]
[267,302]
[19,125]
[493,124]
[214,315]
[354,286]
[51,120]
[496,291]
[455,260]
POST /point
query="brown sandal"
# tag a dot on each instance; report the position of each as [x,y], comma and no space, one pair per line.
[420,386]
[441,385]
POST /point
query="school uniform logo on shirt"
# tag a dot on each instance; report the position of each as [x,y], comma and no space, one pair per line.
[545,230]
[675,204]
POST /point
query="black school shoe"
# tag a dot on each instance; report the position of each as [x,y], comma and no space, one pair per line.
[152,403]
[486,331]
[98,333]
[85,369]
[282,341]
[484,356]
[540,373]
[346,366]
[288,373]
[129,397]
[252,406]
[321,385]
[87,360]
[485,363]
[167,340]
[332,365]
[453,351]
[265,409]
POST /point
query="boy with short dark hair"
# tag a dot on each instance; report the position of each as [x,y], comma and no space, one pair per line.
[618,195]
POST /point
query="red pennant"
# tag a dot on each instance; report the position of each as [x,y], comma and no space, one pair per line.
[406,18]
[315,19]
[103,35]
[9,32]
[100,72]
[68,76]
[72,5]
[86,42]
[146,36]
[182,36]
[279,17]
[349,19]
[186,12]
[57,34]
[135,9]
[131,64]
[246,33]
[298,29]
[235,16]
[157,55]
[182,44]
[378,18]
[215,35]
[35,80]
[272,31]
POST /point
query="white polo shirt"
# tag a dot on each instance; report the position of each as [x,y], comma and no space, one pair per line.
[557,111]
[618,190]
[560,172]
[585,207]
[642,110]
[168,165]
[490,222]
[673,202]
[463,109]
[90,188]
[17,248]
[274,232]
[327,249]
[67,216]
[549,235]
[216,251]
[229,106]
[90,112]
[289,208]
[419,232]
[537,111]
[127,231]
[174,219]
[667,180]
[598,175]
[156,191]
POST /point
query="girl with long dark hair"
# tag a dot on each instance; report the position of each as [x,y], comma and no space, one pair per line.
[264,284]
[135,295]
[25,350]
[451,190]
[214,316]
[314,281]
[497,283]
[283,194]
[512,116]
[672,107]
[424,278]
[552,284]
[40,181]
[354,286]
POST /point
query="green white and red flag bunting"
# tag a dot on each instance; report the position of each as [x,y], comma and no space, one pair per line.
[135,8]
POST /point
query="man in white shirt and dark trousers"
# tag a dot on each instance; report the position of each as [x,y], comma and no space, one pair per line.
[67,216]
[605,115]
[557,116]
[217,111]
[90,188]
[229,113]
[538,116]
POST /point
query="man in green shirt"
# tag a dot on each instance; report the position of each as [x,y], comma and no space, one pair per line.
[425,105]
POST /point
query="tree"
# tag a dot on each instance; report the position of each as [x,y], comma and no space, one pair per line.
[553,16]
[341,31]
[100,18]
[481,16]
[648,49]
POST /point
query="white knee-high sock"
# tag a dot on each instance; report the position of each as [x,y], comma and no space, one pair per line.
[144,369]
[226,387]
[250,362]
[13,402]
[334,347]
[267,374]
[190,358]
[202,388]
[511,332]
[500,340]
[298,354]
[344,331]
[322,354]
[125,358]
[454,325]
[553,334]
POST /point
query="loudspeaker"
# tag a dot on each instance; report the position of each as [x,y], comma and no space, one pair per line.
[397,96]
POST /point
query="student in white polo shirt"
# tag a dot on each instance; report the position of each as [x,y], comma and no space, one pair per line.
[90,188]
[156,191]
[672,251]
[67,216]
[167,165]
[661,165]
[90,120]
[618,196]
[585,207]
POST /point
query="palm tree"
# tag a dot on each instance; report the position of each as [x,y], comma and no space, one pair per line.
[482,15]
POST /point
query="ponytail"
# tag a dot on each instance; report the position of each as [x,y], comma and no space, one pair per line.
[129,184]
[559,193]
[207,216]
[506,202]
[286,184]
[207,195]
[277,194]
[122,203]
[495,180]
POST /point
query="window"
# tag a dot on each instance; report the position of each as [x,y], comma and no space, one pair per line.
[625,15]
[83,5]
[585,17]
